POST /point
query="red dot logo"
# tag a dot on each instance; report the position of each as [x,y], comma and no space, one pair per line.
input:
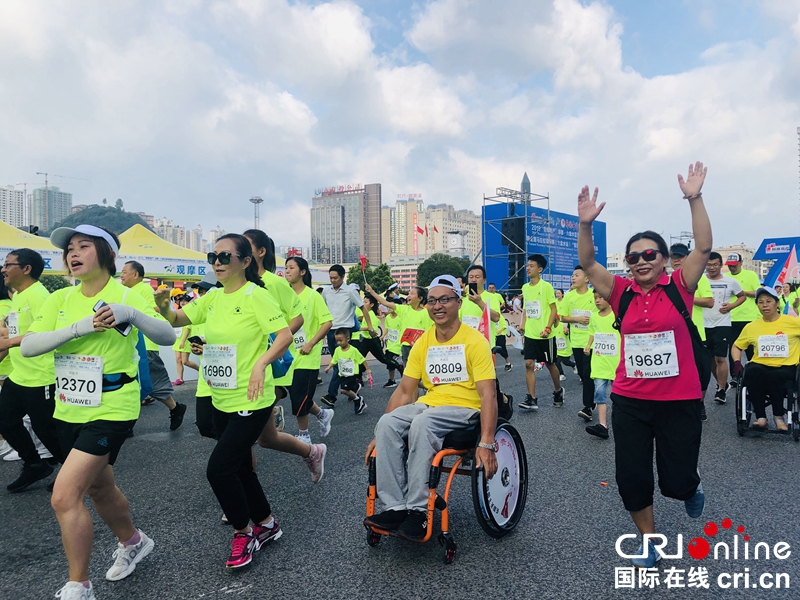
[740,529]
[698,548]
[747,538]
[711,529]
[726,523]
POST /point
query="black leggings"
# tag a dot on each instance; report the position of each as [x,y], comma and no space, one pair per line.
[762,381]
[500,346]
[204,417]
[584,364]
[38,403]
[369,344]
[563,360]
[230,466]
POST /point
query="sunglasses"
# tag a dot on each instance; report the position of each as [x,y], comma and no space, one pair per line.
[649,255]
[443,300]
[224,258]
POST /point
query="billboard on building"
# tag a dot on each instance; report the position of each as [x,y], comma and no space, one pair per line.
[776,249]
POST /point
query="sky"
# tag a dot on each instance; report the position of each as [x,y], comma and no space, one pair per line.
[187,108]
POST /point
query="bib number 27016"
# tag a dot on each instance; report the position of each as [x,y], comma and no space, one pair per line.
[651,355]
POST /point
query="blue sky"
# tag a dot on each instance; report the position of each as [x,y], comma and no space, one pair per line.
[186,108]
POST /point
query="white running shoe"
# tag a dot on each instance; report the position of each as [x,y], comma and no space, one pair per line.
[11,456]
[316,461]
[325,417]
[306,439]
[5,447]
[562,377]
[74,590]
[224,519]
[127,557]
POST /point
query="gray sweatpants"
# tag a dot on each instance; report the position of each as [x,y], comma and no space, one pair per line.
[416,431]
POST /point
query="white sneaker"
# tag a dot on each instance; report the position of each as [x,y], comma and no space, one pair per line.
[224,519]
[127,557]
[562,377]
[5,447]
[306,439]
[45,455]
[280,423]
[316,461]
[74,590]
[325,417]
[12,456]
[575,370]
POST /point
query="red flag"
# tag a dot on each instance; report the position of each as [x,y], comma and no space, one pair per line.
[789,271]
[436,230]
[426,230]
[420,230]
[363,260]
[485,325]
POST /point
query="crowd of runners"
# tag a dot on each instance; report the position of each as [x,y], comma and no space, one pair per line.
[77,365]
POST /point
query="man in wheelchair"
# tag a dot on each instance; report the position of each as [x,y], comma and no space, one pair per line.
[776,338]
[454,363]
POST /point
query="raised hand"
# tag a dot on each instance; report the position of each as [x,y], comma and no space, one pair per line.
[588,210]
[694,180]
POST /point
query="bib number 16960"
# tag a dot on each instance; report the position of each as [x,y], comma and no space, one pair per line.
[217,371]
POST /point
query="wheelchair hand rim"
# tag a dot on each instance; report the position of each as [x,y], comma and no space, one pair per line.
[500,496]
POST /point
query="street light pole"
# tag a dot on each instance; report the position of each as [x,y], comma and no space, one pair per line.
[256,200]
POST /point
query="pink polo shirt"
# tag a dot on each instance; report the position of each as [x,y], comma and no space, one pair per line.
[651,312]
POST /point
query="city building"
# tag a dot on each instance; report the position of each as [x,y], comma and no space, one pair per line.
[195,240]
[213,236]
[12,206]
[168,231]
[346,223]
[149,219]
[287,251]
[48,207]
[616,264]
[404,268]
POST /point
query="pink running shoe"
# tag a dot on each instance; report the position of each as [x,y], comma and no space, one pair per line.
[316,461]
[242,548]
[264,534]
[178,382]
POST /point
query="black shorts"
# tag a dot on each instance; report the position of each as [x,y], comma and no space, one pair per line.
[304,384]
[543,351]
[717,340]
[349,384]
[95,437]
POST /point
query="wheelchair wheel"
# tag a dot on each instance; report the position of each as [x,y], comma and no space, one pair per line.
[499,502]
[446,540]
[373,539]
[743,410]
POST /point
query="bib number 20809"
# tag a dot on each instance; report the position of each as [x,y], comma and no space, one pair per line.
[446,364]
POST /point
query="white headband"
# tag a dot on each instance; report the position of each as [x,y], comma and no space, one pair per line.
[60,237]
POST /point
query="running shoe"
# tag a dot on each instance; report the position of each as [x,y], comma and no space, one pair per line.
[598,430]
[242,548]
[306,439]
[178,382]
[388,520]
[530,403]
[359,405]
[325,417]
[224,519]
[12,456]
[649,561]
[585,413]
[319,380]
[74,590]
[264,534]
[29,475]
[703,415]
[328,400]
[316,461]
[5,447]
[415,527]
[280,422]
[148,401]
[719,397]
[562,377]
[696,504]
[558,398]
[127,557]
[575,370]
[176,416]
[390,384]
[508,367]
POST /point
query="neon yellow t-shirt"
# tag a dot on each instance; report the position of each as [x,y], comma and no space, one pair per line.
[604,361]
[39,370]
[203,391]
[563,347]
[784,326]
[186,346]
[347,360]
[242,320]
[747,311]
[315,315]
[67,306]
[394,329]
[536,301]
[413,319]
[703,291]
[466,352]
[290,307]
[576,305]
[146,291]
[5,366]
[471,314]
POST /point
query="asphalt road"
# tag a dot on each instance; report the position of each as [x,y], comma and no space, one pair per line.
[563,547]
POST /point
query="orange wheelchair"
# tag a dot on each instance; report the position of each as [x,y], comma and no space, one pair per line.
[498,502]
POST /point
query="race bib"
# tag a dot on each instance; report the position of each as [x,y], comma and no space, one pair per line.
[581,313]
[300,339]
[411,335]
[561,343]
[13,324]
[79,379]
[446,364]
[219,366]
[533,309]
[393,336]
[651,355]
[471,321]
[771,346]
[605,344]
[347,367]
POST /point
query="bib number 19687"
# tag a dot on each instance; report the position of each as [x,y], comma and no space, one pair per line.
[651,355]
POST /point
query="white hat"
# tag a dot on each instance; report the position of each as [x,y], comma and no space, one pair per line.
[60,237]
[446,281]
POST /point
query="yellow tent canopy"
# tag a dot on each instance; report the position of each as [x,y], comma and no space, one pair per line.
[161,260]
[12,238]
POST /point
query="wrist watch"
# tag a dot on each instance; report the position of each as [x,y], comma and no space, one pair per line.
[492,446]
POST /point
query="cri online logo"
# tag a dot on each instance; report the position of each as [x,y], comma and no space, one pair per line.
[699,548]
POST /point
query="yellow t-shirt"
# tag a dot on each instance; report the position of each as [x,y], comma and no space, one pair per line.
[605,346]
[471,314]
[413,319]
[203,391]
[703,291]
[770,338]
[36,371]
[5,366]
[146,291]
[576,305]
[290,307]
[466,356]
[243,321]
[394,329]
[563,347]
[348,361]
[747,311]
[536,301]
[315,315]
[67,306]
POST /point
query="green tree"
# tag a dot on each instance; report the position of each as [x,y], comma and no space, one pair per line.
[379,278]
[118,204]
[441,264]
[105,201]
[102,216]
[54,282]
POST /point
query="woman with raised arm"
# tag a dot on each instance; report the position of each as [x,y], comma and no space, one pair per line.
[656,393]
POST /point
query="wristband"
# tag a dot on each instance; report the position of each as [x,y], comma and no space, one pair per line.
[693,196]
[492,446]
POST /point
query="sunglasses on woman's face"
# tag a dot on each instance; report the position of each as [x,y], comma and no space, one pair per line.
[633,257]
[224,258]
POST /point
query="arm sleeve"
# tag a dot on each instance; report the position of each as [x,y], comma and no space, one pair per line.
[158,331]
[36,344]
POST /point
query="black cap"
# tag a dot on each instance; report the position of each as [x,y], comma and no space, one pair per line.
[679,250]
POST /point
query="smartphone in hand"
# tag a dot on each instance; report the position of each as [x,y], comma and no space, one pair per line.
[196,339]
[123,329]
[473,288]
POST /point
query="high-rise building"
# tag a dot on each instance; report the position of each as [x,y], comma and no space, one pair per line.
[49,206]
[12,206]
[195,239]
[213,236]
[345,223]
[287,251]
[149,219]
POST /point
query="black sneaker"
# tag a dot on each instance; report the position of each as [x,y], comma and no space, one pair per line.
[530,403]
[328,400]
[703,415]
[359,405]
[598,430]
[29,475]
[719,397]
[558,398]
[176,416]
[390,384]
[319,381]
[415,527]
[508,367]
[585,413]
[388,520]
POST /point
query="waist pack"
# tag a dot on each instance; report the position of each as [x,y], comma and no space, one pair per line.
[280,366]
